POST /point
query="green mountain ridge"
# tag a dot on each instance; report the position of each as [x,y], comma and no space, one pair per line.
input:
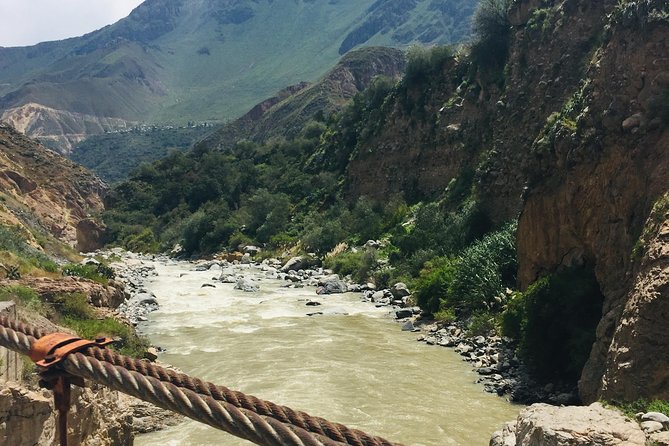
[114,155]
[175,61]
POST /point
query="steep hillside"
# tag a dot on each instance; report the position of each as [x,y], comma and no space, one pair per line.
[571,136]
[114,155]
[172,61]
[44,195]
[286,113]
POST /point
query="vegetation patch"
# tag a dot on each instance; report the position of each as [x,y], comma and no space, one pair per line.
[643,406]
[98,273]
[555,321]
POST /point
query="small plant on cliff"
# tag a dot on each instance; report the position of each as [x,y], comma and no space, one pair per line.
[642,405]
[492,31]
[657,215]
[97,273]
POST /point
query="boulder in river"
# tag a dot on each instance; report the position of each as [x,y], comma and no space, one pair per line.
[247,285]
[331,285]
[403,313]
[294,264]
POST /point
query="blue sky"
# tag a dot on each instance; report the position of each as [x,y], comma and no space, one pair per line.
[27,22]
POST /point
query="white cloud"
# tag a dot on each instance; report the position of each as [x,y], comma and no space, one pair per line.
[27,22]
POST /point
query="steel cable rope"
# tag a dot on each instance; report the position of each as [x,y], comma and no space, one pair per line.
[19,337]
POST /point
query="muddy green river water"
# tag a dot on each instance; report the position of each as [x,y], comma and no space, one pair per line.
[352,364]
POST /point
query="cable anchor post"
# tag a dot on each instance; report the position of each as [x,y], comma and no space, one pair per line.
[48,353]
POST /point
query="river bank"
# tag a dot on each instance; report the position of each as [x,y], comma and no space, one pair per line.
[332,355]
[219,319]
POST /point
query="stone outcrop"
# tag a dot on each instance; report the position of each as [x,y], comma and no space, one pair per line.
[636,361]
[594,425]
[98,417]
[110,296]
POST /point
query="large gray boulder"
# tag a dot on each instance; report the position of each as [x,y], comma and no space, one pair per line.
[331,285]
[247,285]
[294,264]
[545,425]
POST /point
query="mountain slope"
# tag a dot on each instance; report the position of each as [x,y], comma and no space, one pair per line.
[172,61]
[46,195]
[286,113]
[113,156]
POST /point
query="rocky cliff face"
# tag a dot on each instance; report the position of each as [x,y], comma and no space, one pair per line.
[28,418]
[59,129]
[599,180]
[42,191]
[574,142]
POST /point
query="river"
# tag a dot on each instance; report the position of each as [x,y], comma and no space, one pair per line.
[352,364]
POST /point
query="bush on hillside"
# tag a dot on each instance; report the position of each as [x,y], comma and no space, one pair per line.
[492,31]
[483,272]
[13,240]
[97,273]
[433,284]
[470,282]
[22,296]
[358,265]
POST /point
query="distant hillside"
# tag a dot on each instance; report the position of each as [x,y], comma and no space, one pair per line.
[173,61]
[286,114]
[112,156]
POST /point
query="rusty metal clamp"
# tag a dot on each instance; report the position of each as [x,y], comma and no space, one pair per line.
[49,351]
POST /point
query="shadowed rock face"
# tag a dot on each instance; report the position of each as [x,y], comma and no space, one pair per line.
[637,359]
[599,186]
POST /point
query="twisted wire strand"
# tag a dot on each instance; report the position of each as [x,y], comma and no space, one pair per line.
[321,426]
[242,423]
[20,327]
[272,421]
[16,341]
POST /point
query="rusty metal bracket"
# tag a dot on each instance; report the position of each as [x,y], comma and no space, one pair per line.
[53,348]
[49,351]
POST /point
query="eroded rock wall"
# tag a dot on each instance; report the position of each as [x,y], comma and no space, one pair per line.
[98,417]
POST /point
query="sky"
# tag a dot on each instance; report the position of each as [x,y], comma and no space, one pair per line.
[27,22]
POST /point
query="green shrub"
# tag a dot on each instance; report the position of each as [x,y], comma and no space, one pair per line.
[481,323]
[357,264]
[73,305]
[23,296]
[97,273]
[431,287]
[13,239]
[423,61]
[483,271]
[129,344]
[558,328]
[446,315]
[144,242]
[513,317]
[492,31]
[643,405]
